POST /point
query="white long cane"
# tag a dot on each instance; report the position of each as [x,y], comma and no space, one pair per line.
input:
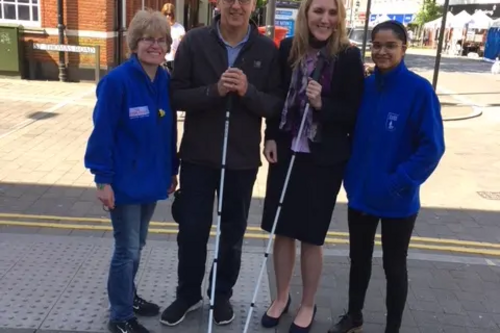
[219,213]
[315,76]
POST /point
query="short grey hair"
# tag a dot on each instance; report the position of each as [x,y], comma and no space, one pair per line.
[147,23]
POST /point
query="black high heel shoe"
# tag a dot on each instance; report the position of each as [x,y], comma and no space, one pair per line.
[270,322]
[297,329]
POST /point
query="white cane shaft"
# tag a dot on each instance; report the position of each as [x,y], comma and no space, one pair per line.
[219,215]
[276,218]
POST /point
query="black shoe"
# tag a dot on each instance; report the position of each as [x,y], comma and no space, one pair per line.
[269,322]
[129,326]
[145,308]
[177,311]
[223,312]
[297,329]
[347,324]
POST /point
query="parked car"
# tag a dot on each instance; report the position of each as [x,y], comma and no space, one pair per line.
[357,35]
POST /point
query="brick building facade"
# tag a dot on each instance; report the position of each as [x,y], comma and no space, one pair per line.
[87,23]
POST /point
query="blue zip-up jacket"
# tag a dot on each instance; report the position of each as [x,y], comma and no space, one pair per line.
[133,145]
[397,144]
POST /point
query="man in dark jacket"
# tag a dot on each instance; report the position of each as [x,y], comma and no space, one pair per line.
[228,61]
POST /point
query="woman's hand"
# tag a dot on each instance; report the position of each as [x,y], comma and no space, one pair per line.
[313,92]
[271,151]
[173,185]
[106,195]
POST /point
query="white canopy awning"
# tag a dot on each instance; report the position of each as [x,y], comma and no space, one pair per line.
[461,20]
[436,24]
[480,20]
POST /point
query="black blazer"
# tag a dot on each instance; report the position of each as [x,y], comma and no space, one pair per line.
[337,117]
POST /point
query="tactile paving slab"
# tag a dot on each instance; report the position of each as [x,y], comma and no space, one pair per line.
[10,254]
[34,284]
[61,286]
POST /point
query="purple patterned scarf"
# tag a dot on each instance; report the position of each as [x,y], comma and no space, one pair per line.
[296,99]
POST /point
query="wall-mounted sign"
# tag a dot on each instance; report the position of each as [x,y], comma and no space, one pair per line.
[285,17]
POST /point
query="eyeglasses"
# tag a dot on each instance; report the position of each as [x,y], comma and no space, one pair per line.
[162,42]
[232,2]
[388,47]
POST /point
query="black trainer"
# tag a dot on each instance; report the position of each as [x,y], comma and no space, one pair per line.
[347,324]
[177,311]
[129,326]
[223,312]
[145,308]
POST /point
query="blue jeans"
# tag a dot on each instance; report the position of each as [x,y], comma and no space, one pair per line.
[130,229]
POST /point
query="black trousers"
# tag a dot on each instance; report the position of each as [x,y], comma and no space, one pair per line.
[396,234]
[199,185]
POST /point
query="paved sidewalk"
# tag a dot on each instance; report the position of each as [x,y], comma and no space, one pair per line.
[57,283]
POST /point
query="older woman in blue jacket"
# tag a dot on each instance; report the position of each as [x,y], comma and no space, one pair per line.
[397,144]
[132,152]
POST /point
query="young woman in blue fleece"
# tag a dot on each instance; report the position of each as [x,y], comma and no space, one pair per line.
[397,144]
[132,153]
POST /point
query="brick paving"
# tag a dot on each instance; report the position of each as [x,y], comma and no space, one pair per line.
[43,134]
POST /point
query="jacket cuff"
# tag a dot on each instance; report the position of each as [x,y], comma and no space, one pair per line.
[212,90]
[251,91]
[101,179]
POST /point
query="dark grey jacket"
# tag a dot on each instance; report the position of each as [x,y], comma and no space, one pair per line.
[199,62]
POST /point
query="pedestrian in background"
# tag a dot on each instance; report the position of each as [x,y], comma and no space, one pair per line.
[132,153]
[321,152]
[398,143]
[226,65]
[177,32]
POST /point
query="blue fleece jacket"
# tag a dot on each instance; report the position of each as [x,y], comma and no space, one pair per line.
[133,145]
[397,144]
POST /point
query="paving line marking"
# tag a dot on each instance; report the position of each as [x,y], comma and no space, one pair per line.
[460,98]
[447,241]
[53,108]
[41,99]
[328,240]
[433,257]
[490,262]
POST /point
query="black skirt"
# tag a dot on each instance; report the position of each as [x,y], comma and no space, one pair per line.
[309,199]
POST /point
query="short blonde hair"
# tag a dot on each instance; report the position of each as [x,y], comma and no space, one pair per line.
[147,23]
[168,8]
[337,42]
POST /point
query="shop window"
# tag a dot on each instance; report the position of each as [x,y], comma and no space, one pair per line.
[25,12]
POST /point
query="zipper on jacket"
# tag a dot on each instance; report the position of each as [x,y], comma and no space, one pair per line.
[369,150]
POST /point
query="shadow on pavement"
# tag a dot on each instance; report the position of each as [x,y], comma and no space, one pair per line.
[80,202]
[425,63]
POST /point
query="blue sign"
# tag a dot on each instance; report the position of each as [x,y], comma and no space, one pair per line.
[289,24]
[402,18]
[285,17]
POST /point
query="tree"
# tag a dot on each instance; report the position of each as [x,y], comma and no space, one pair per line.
[429,12]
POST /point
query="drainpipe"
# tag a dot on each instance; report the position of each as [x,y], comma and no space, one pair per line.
[143,4]
[117,29]
[124,27]
[60,27]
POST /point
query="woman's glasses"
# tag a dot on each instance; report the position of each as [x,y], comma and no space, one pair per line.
[392,46]
[231,2]
[162,42]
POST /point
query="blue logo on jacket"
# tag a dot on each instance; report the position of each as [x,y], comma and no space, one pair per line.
[390,123]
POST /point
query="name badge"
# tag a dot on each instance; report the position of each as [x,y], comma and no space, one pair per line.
[138,112]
